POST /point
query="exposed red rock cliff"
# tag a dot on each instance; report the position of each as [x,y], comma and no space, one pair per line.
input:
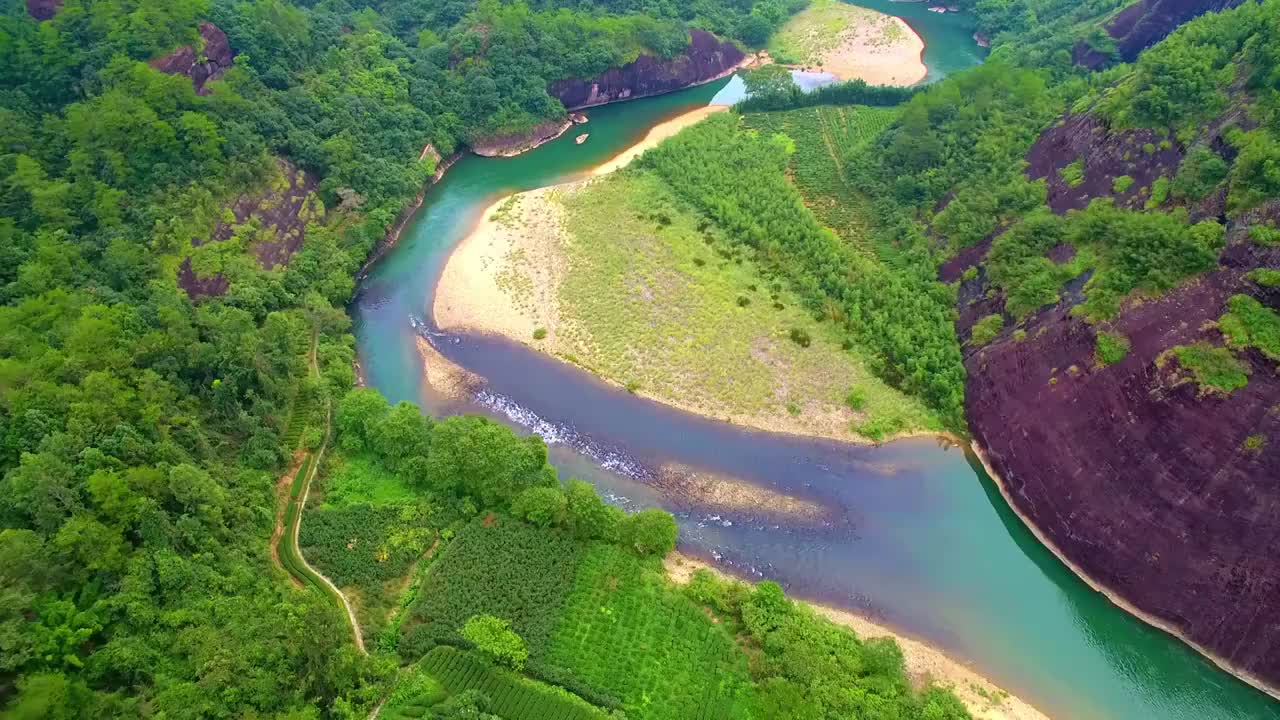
[214,58]
[1144,24]
[707,58]
[1140,154]
[281,211]
[1137,478]
[516,143]
[1148,486]
[43,9]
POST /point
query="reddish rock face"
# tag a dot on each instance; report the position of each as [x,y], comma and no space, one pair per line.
[1107,155]
[43,9]
[217,53]
[1140,480]
[198,287]
[706,59]
[1144,24]
[516,143]
[1147,22]
[281,211]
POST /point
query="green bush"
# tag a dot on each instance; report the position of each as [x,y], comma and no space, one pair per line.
[539,333]
[1159,193]
[986,330]
[649,532]
[1249,323]
[1073,174]
[541,506]
[800,337]
[1200,172]
[1254,443]
[1121,184]
[1266,277]
[1111,348]
[493,638]
[856,399]
[1214,368]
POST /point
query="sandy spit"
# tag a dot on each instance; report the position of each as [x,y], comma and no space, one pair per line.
[446,377]
[924,663]
[860,56]
[474,293]
[1111,595]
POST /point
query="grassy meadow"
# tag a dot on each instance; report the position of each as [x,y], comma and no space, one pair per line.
[657,298]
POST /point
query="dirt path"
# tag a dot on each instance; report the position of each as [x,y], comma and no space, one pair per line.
[282,504]
[306,574]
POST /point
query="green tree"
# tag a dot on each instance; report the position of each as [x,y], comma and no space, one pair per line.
[495,639]
[587,515]
[403,433]
[358,413]
[649,532]
[541,506]
[474,456]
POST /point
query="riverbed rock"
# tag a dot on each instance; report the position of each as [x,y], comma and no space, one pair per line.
[210,62]
[513,144]
[707,58]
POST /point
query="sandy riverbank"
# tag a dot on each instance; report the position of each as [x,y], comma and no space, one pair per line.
[851,43]
[1111,595]
[984,699]
[657,134]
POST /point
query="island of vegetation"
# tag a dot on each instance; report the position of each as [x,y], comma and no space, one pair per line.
[851,42]
[623,276]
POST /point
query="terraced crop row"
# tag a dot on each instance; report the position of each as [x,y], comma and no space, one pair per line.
[627,633]
[825,137]
[512,697]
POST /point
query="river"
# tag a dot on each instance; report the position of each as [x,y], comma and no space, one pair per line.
[912,533]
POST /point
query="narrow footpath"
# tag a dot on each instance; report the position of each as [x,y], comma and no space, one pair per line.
[290,557]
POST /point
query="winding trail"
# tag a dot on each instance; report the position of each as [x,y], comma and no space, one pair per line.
[293,560]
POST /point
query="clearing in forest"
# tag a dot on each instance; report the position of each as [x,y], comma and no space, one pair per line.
[851,42]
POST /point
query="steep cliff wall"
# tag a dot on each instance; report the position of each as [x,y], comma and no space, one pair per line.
[707,58]
[516,143]
[1147,22]
[1144,24]
[1159,492]
[1145,484]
